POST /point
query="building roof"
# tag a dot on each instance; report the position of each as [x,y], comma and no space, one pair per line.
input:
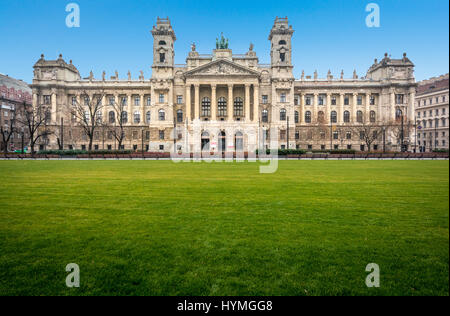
[18,85]
[433,85]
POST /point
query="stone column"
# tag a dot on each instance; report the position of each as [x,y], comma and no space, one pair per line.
[300,106]
[392,106]
[142,105]
[411,107]
[188,102]
[53,113]
[170,97]
[367,114]
[153,96]
[104,108]
[197,102]
[230,102]
[341,109]
[256,103]
[328,115]
[213,102]
[130,109]
[315,108]
[247,103]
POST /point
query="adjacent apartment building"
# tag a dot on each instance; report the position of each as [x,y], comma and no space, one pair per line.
[13,95]
[222,101]
[432,114]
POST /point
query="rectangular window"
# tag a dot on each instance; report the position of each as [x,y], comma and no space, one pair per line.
[149,101]
[137,101]
[74,101]
[308,100]
[161,135]
[179,99]
[321,100]
[399,98]
[112,100]
[265,99]
[346,100]
[335,135]
[124,101]
[47,99]
[282,135]
[296,100]
[359,100]
[372,100]
[333,101]
[147,135]
[161,98]
[283,98]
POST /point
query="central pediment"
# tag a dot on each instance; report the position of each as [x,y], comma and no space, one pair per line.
[222,68]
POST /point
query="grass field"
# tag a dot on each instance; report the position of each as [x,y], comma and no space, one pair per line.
[160,228]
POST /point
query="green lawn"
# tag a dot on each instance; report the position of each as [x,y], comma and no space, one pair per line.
[161,228]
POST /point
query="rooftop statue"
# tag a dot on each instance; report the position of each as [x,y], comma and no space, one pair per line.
[223,43]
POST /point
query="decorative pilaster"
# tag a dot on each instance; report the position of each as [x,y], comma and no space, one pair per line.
[230,102]
[247,103]
[213,102]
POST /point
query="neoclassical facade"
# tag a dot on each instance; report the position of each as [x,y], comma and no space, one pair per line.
[230,102]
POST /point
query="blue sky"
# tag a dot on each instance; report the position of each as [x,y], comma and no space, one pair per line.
[115,35]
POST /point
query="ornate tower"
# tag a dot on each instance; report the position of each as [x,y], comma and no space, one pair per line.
[163,51]
[281,49]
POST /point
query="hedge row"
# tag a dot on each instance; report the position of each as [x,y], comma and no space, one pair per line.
[83,152]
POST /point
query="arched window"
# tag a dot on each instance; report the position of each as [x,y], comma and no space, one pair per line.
[124,117]
[282,42]
[148,116]
[296,117]
[282,115]
[308,117]
[222,141]
[346,117]
[162,43]
[162,115]
[205,141]
[333,117]
[321,117]
[206,107]
[265,116]
[239,141]
[238,107]
[359,116]
[137,117]
[398,114]
[179,116]
[222,106]
[112,117]
[373,117]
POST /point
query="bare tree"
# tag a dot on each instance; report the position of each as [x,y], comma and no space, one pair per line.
[35,119]
[8,130]
[87,111]
[368,131]
[115,124]
[401,129]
